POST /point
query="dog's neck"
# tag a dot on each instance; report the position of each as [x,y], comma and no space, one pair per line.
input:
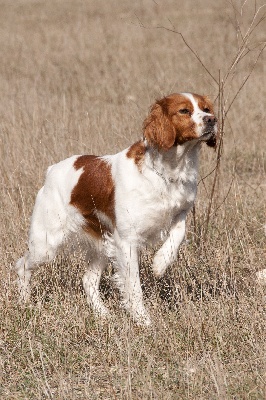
[180,162]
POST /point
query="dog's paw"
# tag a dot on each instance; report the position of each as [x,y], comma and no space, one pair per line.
[24,292]
[261,276]
[137,312]
[141,317]
[159,265]
[98,308]
[24,297]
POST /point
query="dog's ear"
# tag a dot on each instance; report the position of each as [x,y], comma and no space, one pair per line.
[212,141]
[158,129]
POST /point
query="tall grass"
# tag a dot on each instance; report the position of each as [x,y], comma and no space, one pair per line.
[78,77]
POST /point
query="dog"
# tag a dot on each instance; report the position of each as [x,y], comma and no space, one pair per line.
[119,203]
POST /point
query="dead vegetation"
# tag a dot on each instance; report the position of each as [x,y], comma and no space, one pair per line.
[78,77]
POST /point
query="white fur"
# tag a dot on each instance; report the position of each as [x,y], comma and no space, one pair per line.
[148,203]
[198,114]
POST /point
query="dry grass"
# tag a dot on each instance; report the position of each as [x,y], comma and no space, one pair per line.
[78,77]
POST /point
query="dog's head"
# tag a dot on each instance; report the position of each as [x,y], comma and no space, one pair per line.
[179,118]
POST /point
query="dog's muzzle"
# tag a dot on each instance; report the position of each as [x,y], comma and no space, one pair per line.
[210,130]
[210,124]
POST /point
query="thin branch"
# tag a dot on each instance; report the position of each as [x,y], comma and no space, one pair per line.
[173,30]
[245,80]
[191,49]
[245,40]
[207,219]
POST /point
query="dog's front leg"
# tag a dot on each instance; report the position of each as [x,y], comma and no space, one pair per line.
[128,280]
[166,255]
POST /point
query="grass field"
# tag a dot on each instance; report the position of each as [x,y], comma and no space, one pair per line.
[78,77]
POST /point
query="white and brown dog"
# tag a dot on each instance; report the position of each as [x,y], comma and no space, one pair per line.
[124,201]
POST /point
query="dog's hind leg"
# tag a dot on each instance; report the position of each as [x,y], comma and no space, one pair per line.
[47,233]
[25,266]
[91,282]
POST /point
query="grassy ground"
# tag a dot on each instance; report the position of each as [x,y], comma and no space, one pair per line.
[78,77]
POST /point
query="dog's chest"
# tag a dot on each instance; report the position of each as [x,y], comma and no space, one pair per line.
[148,202]
[169,200]
[156,208]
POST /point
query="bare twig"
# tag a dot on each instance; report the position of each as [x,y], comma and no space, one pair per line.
[245,80]
[173,30]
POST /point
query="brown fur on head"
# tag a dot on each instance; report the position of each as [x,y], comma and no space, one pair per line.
[170,121]
[158,129]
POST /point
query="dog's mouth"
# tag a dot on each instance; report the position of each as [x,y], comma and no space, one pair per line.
[209,136]
[209,132]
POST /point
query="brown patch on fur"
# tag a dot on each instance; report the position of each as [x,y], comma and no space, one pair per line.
[94,192]
[158,129]
[137,152]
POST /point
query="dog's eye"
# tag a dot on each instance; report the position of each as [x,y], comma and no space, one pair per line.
[206,110]
[184,111]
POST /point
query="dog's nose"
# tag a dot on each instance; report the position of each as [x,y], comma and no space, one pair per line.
[209,120]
